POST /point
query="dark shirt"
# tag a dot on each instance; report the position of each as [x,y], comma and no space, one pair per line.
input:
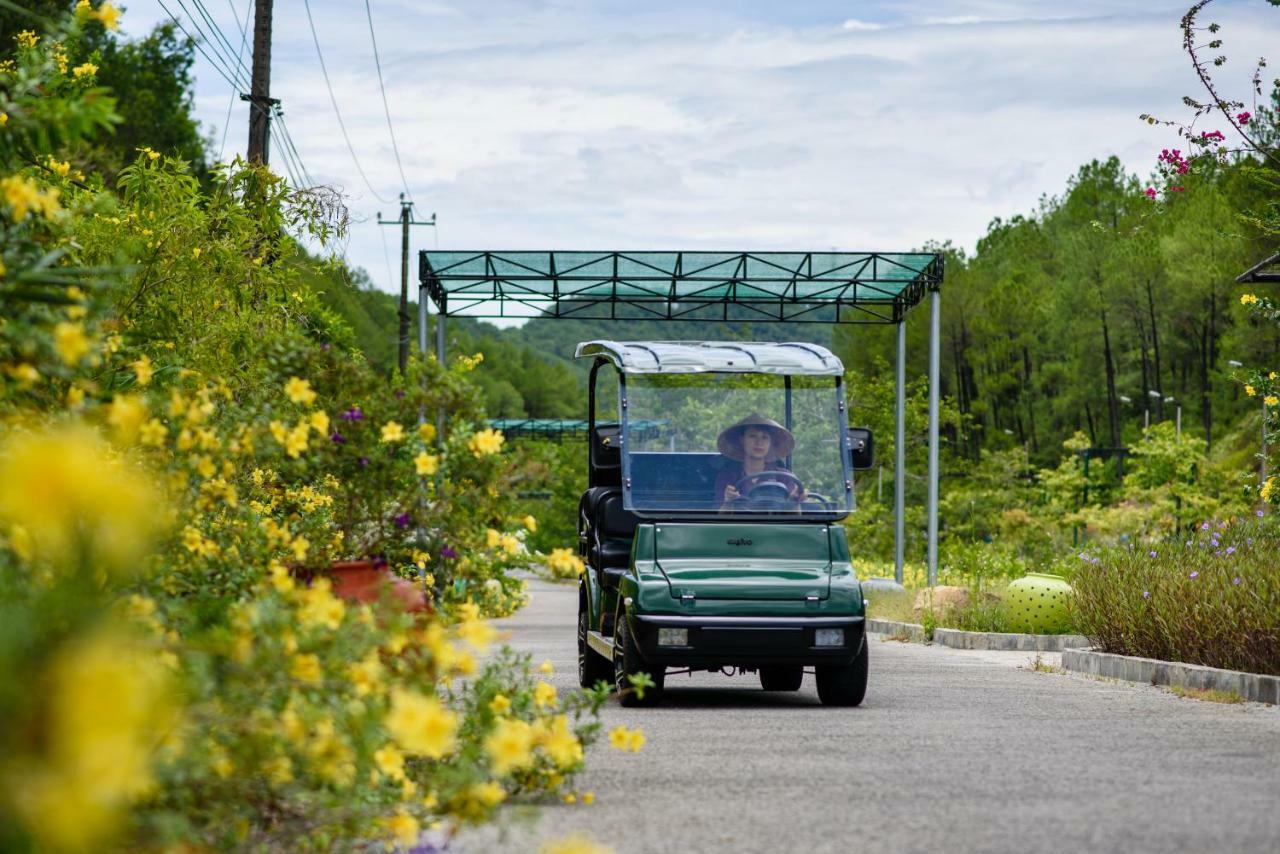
[734,472]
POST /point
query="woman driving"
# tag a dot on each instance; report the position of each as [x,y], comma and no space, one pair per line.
[756,444]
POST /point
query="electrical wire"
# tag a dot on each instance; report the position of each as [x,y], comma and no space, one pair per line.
[222,72]
[229,66]
[244,38]
[386,108]
[228,52]
[306,4]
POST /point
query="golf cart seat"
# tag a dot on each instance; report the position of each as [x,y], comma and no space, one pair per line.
[608,529]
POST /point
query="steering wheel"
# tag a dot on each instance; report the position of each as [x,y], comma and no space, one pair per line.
[774,486]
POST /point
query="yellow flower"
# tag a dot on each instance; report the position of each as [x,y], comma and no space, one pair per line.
[390,761]
[24,374]
[153,156]
[366,675]
[510,544]
[85,72]
[26,39]
[544,695]
[546,667]
[296,442]
[509,746]
[421,725]
[195,251]
[1268,488]
[488,794]
[300,546]
[635,741]
[306,668]
[143,369]
[426,464]
[575,844]
[204,467]
[1248,299]
[106,701]
[319,422]
[485,442]
[4,120]
[83,10]
[561,744]
[618,738]
[492,538]
[477,633]
[59,167]
[279,770]
[300,391]
[1271,375]
[109,16]
[564,562]
[500,705]
[318,606]
[530,523]
[154,432]
[426,431]
[1249,390]
[70,342]
[280,578]
[68,489]
[1271,400]
[403,827]
[24,196]
[570,798]
[588,798]
[392,432]
[75,397]
[125,414]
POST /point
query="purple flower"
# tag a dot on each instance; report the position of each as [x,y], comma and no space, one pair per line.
[1096,561]
[447,552]
[1194,575]
[1231,550]
[1204,526]
[325,346]
[352,414]
[1236,580]
[1151,554]
[400,394]
[364,461]
[1146,594]
[1215,542]
[1084,557]
[337,438]
[1249,541]
[1188,543]
[402,521]
[1258,513]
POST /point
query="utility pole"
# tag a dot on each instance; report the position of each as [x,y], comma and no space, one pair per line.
[259,97]
[404,221]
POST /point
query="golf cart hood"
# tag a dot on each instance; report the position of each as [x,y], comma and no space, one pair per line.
[744,561]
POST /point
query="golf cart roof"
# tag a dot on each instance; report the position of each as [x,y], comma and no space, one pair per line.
[692,357]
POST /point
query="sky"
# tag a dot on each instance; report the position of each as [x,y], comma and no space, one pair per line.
[712,124]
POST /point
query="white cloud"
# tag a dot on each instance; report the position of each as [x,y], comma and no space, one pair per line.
[579,125]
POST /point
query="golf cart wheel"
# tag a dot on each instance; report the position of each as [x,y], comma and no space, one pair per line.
[781,678]
[626,663]
[845,685]
[592,666]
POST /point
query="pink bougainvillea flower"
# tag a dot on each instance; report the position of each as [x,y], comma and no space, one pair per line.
[1243,118]
[1177,188]
[1151,192]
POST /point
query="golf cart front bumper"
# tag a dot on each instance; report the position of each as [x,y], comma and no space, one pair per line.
[746,641]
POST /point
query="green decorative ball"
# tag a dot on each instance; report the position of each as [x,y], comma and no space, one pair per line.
[1037,604]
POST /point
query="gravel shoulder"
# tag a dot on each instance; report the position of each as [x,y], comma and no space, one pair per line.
[953,750]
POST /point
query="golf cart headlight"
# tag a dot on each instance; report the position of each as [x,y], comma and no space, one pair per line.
[828,637]
[673,637]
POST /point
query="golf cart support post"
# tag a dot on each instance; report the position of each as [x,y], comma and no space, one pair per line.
[808,287]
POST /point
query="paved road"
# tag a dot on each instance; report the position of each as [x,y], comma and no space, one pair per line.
[951,751]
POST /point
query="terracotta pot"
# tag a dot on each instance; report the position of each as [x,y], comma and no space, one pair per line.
[364,581]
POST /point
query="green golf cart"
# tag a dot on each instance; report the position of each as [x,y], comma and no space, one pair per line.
[717,476]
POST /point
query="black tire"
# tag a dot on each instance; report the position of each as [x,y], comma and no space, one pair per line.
[627,662]
[592,666]
[781,678]
[845,685]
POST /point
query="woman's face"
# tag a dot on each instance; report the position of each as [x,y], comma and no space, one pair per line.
[755,443]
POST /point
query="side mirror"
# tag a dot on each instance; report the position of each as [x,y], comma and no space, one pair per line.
[861,448]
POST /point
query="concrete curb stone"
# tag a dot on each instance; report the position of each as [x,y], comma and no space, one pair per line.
[1257,687]
[979,640]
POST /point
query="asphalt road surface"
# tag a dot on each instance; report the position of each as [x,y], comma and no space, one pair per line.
[951,751]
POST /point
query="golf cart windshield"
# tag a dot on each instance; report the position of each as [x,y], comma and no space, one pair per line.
[735,443]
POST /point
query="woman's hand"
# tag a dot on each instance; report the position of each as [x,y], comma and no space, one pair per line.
[731,493]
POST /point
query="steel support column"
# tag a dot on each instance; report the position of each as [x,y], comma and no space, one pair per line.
[440,347]
[935,346]
[900,454]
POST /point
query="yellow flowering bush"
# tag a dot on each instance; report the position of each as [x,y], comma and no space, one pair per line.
[187,440]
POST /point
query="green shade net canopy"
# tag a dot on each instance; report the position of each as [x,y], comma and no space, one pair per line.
[818,287]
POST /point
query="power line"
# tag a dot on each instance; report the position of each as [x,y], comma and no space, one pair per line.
[333,100]
[222,72]
[230,52]
[386,108]
[244,37]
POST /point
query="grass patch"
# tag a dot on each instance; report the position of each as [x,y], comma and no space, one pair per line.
[1039,665]
[1211,597]
[1209,695]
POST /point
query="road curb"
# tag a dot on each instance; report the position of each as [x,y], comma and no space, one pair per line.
[912,631]
[957,639]
[1008,641]
[1257,687]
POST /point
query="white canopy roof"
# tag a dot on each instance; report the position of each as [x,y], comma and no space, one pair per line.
[691,357]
